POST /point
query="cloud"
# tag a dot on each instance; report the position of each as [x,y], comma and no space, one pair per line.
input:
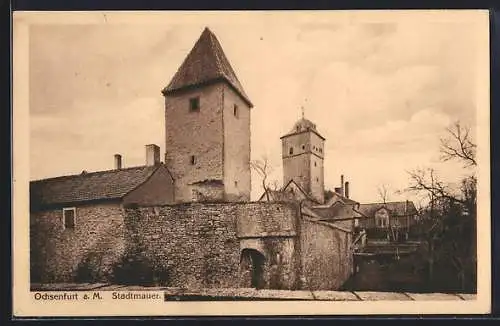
[83,139]
[379,93]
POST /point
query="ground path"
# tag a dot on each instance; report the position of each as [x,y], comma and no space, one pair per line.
[253,294]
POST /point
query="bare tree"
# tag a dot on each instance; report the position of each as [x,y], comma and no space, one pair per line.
[383,192]
[427,182]
[451,227]
[458,145]
[263,169]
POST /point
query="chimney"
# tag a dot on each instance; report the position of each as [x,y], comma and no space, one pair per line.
[346,189]
[342,185]
[152,154]
[118,162]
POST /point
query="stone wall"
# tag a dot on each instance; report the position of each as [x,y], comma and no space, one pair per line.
[199,243]
[97,241]
[326,259]
[259,219]
[271,228]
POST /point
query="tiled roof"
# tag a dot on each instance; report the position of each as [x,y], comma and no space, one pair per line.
[284,194]
[338,197]
[337,211]
[400,208]
[112,184]
[317,218]
[205,63]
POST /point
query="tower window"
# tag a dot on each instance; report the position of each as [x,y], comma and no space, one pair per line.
[193,160]
[69,218]
[194,104]
[314,163]
[303,146]
[291,150]
[317,179]
[235,111]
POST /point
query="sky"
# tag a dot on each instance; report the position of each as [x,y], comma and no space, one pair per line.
[381,91]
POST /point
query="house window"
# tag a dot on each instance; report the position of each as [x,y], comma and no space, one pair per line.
[194,104]
[236,183]
[291,150]
[193,160]
[235,111]
[69,215]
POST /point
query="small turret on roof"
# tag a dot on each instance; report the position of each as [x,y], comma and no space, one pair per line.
[206,63]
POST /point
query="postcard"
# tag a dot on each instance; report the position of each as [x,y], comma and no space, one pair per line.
[251,163]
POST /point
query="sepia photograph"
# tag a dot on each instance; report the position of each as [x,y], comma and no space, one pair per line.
[322,160]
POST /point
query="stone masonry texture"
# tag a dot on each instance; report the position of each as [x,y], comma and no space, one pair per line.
[200,245]
[236,122]
[217,137]
[196,134]
[326,259]
[56,253]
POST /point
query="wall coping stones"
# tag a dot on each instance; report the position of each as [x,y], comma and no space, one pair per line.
[277,234]
[217,203]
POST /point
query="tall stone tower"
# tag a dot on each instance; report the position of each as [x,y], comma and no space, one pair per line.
[302,152]
[207,120]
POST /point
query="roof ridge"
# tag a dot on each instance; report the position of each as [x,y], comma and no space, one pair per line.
[94,173]
[206,62]
[389,202]
[213,46]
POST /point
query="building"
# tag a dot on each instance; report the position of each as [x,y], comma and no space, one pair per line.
[207,123]
[78,218]
[390,220]
[190,218]
[302,154]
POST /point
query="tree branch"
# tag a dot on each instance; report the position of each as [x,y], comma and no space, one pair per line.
[458,146]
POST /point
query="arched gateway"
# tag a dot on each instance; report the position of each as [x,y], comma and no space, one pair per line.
[252,268]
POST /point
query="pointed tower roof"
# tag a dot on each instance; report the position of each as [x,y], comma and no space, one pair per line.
[204,64]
